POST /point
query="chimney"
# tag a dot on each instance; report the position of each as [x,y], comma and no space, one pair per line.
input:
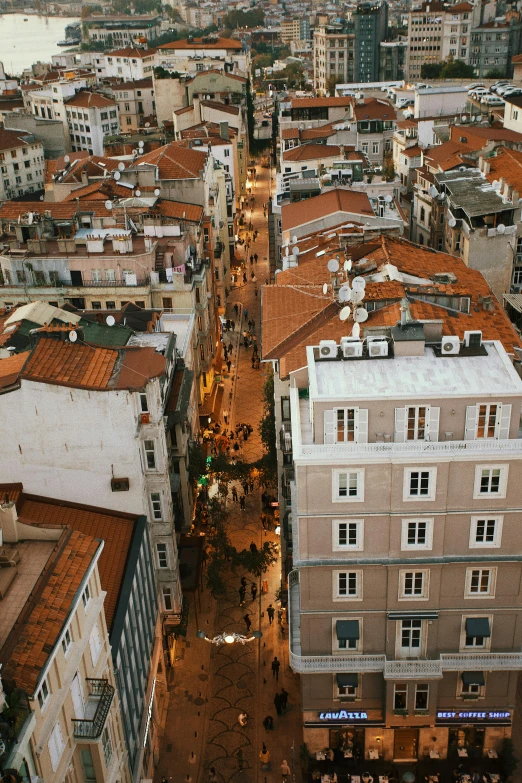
[85,179]
[224,131]
[9,521]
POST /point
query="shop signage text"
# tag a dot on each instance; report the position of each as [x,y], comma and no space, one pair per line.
[343,715]
[149,713]
[465,715]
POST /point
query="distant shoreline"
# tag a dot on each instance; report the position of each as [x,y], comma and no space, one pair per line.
[17,11]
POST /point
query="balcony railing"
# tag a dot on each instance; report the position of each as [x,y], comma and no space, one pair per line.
[101,694]
[285,436]
[418,447]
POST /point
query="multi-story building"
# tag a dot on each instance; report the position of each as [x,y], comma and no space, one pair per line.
[403,601]
[201,54]
[91,117]
[136,104]
[493,45]
[425,28]
[121,31]
[371,28]
[459,20]
[334,56]
[295,30]
[21,164]
[129,64]
[392,60]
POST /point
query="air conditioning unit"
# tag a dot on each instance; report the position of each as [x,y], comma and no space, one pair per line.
[377,346]
[473,339]
[120,484]
[450,346]
[145,418]
[351,346]
[328,349]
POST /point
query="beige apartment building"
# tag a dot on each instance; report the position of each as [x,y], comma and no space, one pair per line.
[334,48]
[404,601]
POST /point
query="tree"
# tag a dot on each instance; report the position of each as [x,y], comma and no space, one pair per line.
[456,69]
[263,61]
[255,17]
[388,170]
[431,70]
[496,73]
[251,120]
[294,74]
[267,429]
[332,81]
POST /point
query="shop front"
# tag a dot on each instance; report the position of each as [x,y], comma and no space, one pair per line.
[474,733]
[347,730]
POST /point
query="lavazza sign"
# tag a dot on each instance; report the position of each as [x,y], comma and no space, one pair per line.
[343,715]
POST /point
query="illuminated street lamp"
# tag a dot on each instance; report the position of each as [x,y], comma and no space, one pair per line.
[229,637]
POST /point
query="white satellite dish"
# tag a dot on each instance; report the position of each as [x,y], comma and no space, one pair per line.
[325,288]
[356,295]
[333,265]
[287,251]
[388,199]
[73,336]
[157,191]
[294,240]
[347,265]
[110,320]
[117,175]
[345,314]
[30,217]
[360,315]
[140,144]
[359,282]
[295,250]
[452,222]
[495,183]
[66,159]
[501,228]
[432,190]
[121,166]
[344,294]
[138,193]
[147,124]
[356,330]
[108,204]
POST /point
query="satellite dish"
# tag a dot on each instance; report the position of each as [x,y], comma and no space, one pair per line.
[464,118]
[359,282]
[344,294]
[333,265]
[501,228]
[147,124]
[432,191]
[495,183]
[356,295]
[356,330]
[360,315]
[345,314]
[138,193]
[121,166]
[140,144]
[287,251]
[73,336]
[294,240]
[108,204]
[66,159]
[347,265]
[117,175]
[388,199]
[157,191]
[325,288]
[295,250]
[110,320]
[452,222]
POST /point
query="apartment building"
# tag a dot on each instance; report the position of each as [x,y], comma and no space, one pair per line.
[21,164]
[392,60]
[121,31]
[493,45]
[334,56]
[136,104]
[371,28]
[201,54]
[403,610]
[90,118]
[130,64]
[295,30]
[425,34]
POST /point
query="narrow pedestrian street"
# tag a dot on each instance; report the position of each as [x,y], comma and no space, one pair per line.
[209,685]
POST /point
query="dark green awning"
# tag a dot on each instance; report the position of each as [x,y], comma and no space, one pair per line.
[347,629]
[343,680]
[477,626]
[473,678]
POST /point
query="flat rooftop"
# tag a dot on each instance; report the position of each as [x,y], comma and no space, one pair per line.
[419,376]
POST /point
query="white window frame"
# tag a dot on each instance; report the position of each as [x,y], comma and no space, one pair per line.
[504,471]
[411,652]
[473,528]
[43,694]
[406,522]
[480,692]
[56,743]
[67,641]
[359,535]
[164,551]
[421,687]
[491,586]
[144,403]
[463,647]
[355,696]
[86,597]
[156,506]
[413,573]
[360,425]
[501,426]
[357,596]
[359,496]
[166,593]
[431,424]
[400,688]
[407,497]
[357,650]
[152,451]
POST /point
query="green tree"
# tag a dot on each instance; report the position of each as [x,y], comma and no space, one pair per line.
[496,73]
[388,170]
[255,17]
[332,81]
[456,69]
[431,70]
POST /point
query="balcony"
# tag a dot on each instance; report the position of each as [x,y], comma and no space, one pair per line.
[400,669]
[101,694]
[285,438]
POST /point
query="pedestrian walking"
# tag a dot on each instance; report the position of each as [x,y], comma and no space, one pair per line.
[271,613]
[252,275]
[229,365]
[277,703]
[251,260]
[252,485]
[233,324]
[284,698]
[212,775]
[242,594]
[255,291]
[245,487]
[248,622]
[268,723]
[234,494]
[246,315]
[255,257]
[275,667]
[285,770]
[253,591]
[244,581]
[236,309]
[244,277]
[242,502]
[264,757]
[225,417]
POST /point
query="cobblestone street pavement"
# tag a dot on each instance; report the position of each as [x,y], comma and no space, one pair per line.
[210,686]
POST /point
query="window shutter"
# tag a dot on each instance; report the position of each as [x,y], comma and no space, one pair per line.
[502,423]
[432,424]
[361,435]
[470,430]
[400,425]
[329,426]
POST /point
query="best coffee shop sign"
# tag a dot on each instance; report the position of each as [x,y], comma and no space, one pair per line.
[470,716]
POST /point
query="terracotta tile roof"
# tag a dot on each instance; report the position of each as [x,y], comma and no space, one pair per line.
[308,134]
[70,364]
[11,367]
[335,200]
[138,84]
[100,190]
[93,166]
[132,51]
[290,133]
[178,209]
[226,107]
[508,164]
[88,100]
[113,528]
[59,210]
[517,58]
[412,152]
[202,74]
[58,165]
[475,135]
[374,109]
[175,162]
[184,110]
[318,103]
[446,156]
[312,152]
[139,365]
[199,43]
[460,8]
[44,624]
[10,139]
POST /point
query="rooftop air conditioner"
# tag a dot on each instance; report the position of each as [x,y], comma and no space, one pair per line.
[450,346]
[328,349]
[377,346]
[473,339]
[351,346]
[120,484]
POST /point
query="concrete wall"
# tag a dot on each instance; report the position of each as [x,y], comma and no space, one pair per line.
[50,133]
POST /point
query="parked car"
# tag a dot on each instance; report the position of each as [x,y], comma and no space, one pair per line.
[513,93]
[501,90]
[479,92]
[474,86]
[492,100]
[501,83]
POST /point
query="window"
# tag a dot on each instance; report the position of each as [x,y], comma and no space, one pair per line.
[144,405]
[471,684]
[88,765]
[400,697]
[487,421]
[416,423]
[347,534]
[167,598]
[348,485]
[346,425]
[66,641]
[410,631]
[155,501]
[417,534]
[346,635]
[413,584]
[285,408]
[490,480]
[419,484]
[375,148]
[480,582]
[150,454]
[110,305]
[107,745]
[43,694]
[476,632]
[161,550]
[347,585]
[346,685]
[95,644]
[56,746]
[422,694]
[485,532]
[86,597]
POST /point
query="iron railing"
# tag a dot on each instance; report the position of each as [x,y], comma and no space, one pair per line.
[91,728]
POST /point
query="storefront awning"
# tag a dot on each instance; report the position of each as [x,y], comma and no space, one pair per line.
[473,678]
[427,615]
[478,626]
[344,680]
[347,629]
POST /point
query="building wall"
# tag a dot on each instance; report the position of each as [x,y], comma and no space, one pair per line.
[21,170]
[50,133]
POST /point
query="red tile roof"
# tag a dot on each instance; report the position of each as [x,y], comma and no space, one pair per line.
[226,107]
[175,162]
[202,74]
[88,100]
[70,364]
[318,103]
[132,51]
[178,209]
[199,43]
[374,109]
[312,152]
[12,139]
[508,164]
[10,210]
[317,207]
[10,367]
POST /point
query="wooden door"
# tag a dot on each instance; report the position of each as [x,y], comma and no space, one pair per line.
[405,744]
